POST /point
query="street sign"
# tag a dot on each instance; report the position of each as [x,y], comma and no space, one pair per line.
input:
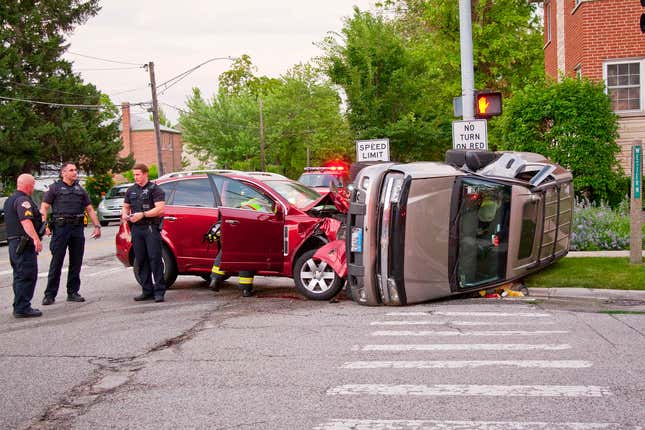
[373,150]
[470,134]
[637,163]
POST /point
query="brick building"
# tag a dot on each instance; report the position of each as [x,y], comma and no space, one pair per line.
[601,40]
[138,137]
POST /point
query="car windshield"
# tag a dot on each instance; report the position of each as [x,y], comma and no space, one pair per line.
[294,192]
[116,193]
[320,180]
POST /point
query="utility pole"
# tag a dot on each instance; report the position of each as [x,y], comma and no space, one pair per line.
[155,116]
[467,68]
[261,136]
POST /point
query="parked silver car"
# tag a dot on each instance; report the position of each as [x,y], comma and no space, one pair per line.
[110,207]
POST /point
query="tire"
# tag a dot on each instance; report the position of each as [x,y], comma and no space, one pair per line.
[103,223]
[315,279]
[169,268]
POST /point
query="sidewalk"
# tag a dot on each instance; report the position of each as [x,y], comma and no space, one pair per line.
[575,254]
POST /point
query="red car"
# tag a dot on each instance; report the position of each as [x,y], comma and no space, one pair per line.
[275,235]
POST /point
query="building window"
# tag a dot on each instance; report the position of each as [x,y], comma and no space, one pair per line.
[624,86]
[578,71]
[547,20]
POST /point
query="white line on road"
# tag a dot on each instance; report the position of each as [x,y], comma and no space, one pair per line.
[467,347]
[465,323]
[471,390]
[104,272]
[466,333]
[472,364]
[470,314]
[353,424]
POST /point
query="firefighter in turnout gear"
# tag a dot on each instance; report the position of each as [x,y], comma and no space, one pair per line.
[246,276]
[68,202]
[143,209]
[23,226]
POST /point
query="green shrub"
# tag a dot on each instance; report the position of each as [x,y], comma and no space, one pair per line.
[153,173]
[598,227]
[97,185]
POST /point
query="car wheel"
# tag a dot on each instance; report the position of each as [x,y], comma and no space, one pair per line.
[169,268]
[103,223]
[314,278]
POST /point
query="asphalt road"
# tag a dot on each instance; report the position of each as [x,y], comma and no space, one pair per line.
[275,361]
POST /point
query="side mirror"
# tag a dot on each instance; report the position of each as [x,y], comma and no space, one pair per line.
[279,212]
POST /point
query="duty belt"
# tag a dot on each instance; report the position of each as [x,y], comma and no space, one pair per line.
[68,219]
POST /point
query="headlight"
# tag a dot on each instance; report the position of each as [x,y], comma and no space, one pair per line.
[102,204]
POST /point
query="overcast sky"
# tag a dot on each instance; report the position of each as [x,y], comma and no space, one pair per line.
[178,35]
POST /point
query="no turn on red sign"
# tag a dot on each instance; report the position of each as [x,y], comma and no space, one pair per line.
[470,134]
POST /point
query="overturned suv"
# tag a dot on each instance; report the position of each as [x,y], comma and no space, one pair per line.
[426,230]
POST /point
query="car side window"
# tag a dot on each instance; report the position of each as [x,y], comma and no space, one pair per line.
[193,192]
[168,189]
[236,194]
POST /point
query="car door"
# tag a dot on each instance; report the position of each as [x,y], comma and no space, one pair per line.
[252,233]
[191,208]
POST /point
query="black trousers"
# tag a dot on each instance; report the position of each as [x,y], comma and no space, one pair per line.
[65,237]
[25,275]
[245,276]
[147,243]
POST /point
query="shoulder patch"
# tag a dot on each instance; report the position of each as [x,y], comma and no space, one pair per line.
[26,205]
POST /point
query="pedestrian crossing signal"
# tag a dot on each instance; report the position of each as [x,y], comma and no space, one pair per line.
[488,104]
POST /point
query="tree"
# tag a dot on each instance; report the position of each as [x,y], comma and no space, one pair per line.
[34,134]
[300,111]
[571,123]
[400,74]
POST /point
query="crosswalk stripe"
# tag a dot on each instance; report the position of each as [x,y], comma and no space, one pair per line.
[467,347]
[357,424]
[471,390]
[470,314]
[104,272]
[457,364]
[466,333]
[505,323]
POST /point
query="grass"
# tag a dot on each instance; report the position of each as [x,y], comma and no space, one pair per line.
[590,272]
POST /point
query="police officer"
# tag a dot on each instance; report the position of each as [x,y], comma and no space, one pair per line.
[68,201]
[143,208]
[23,224]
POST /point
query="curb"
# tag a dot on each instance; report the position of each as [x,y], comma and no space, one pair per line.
[588,293]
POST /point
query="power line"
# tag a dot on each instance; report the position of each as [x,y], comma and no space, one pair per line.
[104,59]
[52,104]
[109,68]
[174,80]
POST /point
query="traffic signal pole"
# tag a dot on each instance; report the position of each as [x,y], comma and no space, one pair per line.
[467,68]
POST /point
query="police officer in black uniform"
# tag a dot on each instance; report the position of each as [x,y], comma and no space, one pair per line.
[143,208]
[68,201]
[23,224]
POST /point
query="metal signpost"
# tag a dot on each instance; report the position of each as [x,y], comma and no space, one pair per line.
[636,224]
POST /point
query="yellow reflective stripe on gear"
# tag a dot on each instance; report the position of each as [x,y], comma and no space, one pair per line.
[246,281]
[216,271]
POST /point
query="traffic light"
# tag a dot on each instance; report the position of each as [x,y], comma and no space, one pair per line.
[488,104]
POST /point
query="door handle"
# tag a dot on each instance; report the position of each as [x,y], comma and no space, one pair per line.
[232,221]
[170,218]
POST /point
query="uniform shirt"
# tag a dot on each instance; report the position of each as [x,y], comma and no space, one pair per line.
[66,199]
[143,199]
[20,207]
